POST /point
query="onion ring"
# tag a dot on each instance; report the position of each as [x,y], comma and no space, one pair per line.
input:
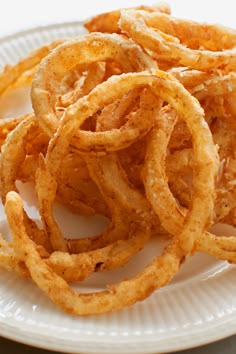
[158,273]
[161,34]
[78,52]
[108,22]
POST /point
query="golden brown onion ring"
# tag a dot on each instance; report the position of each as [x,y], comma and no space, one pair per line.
[108,22]
[82,50]
[180,41]
[158,273]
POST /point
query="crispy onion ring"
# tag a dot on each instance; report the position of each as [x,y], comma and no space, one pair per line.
[12,157]
[120,197]
[171,215]
[76,267]
[78,52]
[19,161]
[108,257]
[162,35]
[221,247]
[108,22]
[169,90]
[7,125]
[156,186]
[50,169]
[158,273]
[218,89]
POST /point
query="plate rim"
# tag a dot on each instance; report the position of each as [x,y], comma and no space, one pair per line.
[151,344]
[29,30]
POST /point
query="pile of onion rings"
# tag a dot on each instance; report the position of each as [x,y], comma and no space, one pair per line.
[134,121]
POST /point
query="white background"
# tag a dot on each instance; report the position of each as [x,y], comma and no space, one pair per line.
[16,15]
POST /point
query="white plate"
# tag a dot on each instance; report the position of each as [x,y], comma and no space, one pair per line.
[199,306]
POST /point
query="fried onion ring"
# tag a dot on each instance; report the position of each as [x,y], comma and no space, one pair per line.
[158,273]
[162,35]
[78,52]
